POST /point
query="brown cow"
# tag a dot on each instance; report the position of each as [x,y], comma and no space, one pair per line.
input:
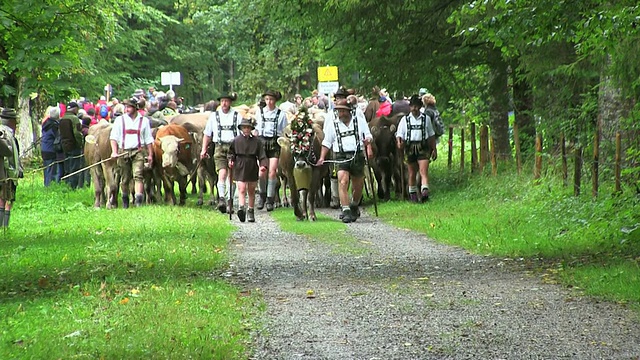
[289,162]
[206,172]
[173,159]
[385,165]
[106,178]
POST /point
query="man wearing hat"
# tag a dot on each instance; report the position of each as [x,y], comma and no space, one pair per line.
[245,153]
[72,143]
[132,144]
[219,132]
[270,123]
[348,136]
[330,117]
[416,131]
[10,167]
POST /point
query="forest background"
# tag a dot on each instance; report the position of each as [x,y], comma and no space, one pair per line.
[560,66]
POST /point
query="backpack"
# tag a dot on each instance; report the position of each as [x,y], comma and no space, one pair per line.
[104,111]
[57,140]
[436,121]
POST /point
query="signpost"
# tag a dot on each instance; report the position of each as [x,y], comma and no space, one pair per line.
[170,78]
[328,79]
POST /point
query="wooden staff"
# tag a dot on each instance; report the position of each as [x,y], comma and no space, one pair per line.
[373,191]
[230,201]
[92,165]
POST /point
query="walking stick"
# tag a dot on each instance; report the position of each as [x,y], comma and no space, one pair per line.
[373,191]
[402,173]
[230,201]
[92,165]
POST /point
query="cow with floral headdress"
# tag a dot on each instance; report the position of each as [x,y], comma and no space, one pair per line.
[300,145]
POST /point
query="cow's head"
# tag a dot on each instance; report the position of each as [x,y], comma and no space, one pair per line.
[300,159]
[170,145]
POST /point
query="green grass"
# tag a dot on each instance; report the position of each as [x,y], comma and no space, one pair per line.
[139,283]
[581,238]
[326,230]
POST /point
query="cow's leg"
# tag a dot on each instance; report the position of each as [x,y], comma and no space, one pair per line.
[316,182]
[285,184]
[201,185]
[295,199]
[169,194]
[98,186]
[182,185]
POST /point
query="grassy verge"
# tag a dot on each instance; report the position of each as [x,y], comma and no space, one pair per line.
[139,283]
[587,242]
[326,230]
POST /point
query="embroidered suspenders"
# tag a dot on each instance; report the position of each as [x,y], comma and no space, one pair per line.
[275,122]
[233,127]
[354,132]
[422,126]
[126,131]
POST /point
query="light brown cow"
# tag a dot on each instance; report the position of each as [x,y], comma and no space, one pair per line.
[105,177]
[173,159]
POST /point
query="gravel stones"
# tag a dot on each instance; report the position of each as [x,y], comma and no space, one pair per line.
[408,297]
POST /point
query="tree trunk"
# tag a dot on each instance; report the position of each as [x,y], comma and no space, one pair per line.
[25,130]
[499,107]
[523,108]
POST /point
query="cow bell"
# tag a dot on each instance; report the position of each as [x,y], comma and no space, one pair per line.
[302,176]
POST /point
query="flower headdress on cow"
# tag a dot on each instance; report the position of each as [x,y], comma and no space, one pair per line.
[301,132]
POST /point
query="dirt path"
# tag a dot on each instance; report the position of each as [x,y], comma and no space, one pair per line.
[407,297]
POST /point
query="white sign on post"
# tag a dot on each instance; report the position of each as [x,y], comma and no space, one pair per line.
[328,87]
[170,78]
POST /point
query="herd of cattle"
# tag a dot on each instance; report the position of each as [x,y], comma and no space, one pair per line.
[176,159]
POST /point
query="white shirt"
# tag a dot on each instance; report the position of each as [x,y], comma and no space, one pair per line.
[267,125]
[416,130]
[228,130]
[131,128]
[349,143]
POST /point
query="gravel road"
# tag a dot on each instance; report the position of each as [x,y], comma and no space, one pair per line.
[407,297]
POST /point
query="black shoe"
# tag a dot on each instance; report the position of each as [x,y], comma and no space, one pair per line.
[355,212]
[424,196]
[270,204]
[241,214]
[260,202]
[251,216]
[347,217]
[222,205]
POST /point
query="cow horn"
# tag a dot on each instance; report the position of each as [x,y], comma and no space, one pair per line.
[282,141]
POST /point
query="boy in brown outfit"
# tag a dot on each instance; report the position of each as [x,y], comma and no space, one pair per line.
[245,152]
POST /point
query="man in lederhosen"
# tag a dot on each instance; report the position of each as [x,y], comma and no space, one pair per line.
[221,129]
[270,123]
[348,135]
[10,167]
[132,144]
[416,130]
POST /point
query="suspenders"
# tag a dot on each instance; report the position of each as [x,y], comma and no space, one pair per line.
[422,127]
[275,122]
[137,132]
[233,127]
[354,132]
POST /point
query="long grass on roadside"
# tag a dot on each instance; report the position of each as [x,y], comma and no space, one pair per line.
[139,283]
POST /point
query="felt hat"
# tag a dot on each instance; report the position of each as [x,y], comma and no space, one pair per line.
[246,122]
[342,104]
[276,94]
[415,100]
[422,91]
[342,92]
[8,113]
[72,105]
[130,102]
[231,96]
[138,93]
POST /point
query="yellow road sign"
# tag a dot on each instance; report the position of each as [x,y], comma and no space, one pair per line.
[328,73]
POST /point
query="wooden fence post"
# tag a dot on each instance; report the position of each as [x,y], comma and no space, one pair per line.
[461,151]
[474,152]
[516,140]
[618,160]
[577,170]
[565,175]
[494,162]
[537,170]
[596,160]
[484,147]
[450,156]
